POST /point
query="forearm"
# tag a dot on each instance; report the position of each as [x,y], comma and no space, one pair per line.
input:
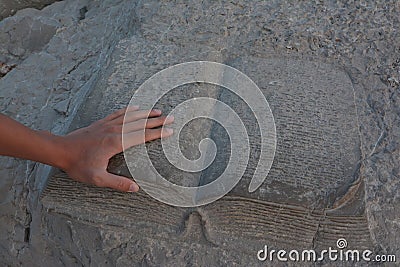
[17,140]
[84,154]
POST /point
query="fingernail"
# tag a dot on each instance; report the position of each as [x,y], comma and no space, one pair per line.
[133,188]
[134,107]
[170,119]
[168,131]
[157,110]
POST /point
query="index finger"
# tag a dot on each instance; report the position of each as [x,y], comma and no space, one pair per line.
[120,112]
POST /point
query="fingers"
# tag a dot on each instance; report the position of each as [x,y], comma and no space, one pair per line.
[140,137]
[120,112]
[147,123]
[119,183]
[153,134]
[132,116]
[137,131]
[138,115]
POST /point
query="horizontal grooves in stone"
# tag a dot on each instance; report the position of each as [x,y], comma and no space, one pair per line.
[288,225]
[67,196]
[232,216]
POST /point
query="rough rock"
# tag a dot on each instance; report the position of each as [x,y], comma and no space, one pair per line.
[10,7]
[66,67]
[91,55]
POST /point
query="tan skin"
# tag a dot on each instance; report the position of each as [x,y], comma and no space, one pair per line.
[84,154]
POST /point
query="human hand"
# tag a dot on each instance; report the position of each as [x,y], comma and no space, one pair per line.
[87,150]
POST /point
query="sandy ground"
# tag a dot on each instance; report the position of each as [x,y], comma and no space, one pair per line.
[71,44]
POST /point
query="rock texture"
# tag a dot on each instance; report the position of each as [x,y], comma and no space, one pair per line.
[79,60]
[303,198]
[10,7]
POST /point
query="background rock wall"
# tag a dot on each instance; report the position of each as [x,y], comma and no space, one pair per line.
[60,52]
[10,7]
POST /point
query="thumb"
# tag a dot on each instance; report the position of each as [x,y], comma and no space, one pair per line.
[119,183]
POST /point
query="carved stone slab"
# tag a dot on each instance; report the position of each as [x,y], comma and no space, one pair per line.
[312,196]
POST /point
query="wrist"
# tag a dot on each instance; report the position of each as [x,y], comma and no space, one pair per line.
[57,154]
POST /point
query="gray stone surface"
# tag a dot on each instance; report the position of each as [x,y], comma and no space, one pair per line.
[66,67]
[294,193]
[10,7]
[98,57]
